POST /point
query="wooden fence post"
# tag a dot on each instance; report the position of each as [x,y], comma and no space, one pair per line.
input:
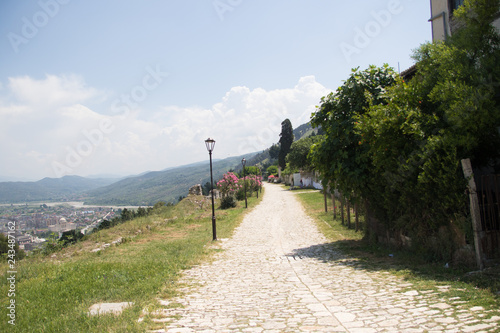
[342,208]
[326,203]
[348,215]
[474,211]
[334,210]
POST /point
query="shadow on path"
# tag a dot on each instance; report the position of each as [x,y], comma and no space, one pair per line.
[398,261]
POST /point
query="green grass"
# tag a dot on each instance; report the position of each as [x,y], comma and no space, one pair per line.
[54,293]
[478,288]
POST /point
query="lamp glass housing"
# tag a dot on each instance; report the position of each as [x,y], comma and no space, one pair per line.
[210,143]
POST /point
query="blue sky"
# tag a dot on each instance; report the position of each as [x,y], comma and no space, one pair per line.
[122,87]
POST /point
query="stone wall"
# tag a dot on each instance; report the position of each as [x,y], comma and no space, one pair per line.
[196,190]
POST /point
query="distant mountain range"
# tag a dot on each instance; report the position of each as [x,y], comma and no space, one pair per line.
[141,190]
[144,189]
[166,185]
[49,189]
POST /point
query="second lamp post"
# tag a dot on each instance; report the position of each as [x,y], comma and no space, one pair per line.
[243,162]
[210,143]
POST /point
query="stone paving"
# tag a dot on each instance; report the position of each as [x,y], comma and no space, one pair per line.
[279,274]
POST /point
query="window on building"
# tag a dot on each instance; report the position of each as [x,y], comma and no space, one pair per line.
[455,4]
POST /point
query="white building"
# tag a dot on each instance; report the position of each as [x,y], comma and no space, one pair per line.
[442,18]
[62,225]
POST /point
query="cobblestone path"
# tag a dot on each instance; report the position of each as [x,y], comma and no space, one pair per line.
[278,274]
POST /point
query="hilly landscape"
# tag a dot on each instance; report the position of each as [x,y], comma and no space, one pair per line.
[168,185]
[141,190]
[49,189]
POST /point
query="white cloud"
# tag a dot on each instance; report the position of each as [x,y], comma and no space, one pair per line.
[51,91]
[48,131]
[244,120]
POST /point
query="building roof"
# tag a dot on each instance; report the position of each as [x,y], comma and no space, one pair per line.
[409,73]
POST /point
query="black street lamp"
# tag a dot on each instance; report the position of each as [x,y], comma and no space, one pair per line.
[244,162]
[210,143]
[260,179]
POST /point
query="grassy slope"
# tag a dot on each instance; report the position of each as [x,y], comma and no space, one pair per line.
[53,294]
[479,289]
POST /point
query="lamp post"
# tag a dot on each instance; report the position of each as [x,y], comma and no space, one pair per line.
[244,162]
[210,143]
[260,186]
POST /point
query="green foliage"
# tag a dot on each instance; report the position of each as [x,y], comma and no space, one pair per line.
[250,170]
[70,237]
[338,156]
[52,244]
[229,201]
[159,205]
[141,212]
[127,215]
[5,247]
[240,194]
[272,170]
[299,151]
[206,188]
[286,140]
[289,170]
[399,144]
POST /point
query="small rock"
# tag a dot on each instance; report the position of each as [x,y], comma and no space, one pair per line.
[104,308]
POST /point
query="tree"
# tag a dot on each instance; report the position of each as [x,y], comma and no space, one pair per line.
[159,205]
[299,151]
[338,156]
[414,140]
[286,140]
[127,215]
[250,170]
[70,237]
[272,170]
[5,246]
[141,212]
[206,188]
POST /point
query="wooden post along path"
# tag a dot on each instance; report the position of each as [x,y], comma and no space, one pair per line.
[474,211]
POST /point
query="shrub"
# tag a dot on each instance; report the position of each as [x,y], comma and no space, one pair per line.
[227,202]
[70,237]
[228,184]
[240,194]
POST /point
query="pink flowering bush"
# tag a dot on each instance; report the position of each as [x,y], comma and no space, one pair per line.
[253,183]
[228,185]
